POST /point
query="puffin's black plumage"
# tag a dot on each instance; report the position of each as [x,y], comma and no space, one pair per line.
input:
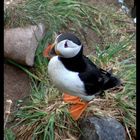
[69,36]
[76,63]
[95,79]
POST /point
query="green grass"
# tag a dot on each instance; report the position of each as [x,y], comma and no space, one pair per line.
[123,102]
[54,14]
[46,116]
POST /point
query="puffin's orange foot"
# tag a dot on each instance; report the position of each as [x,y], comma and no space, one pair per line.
[77,107]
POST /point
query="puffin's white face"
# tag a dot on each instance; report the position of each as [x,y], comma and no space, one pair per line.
[67,48]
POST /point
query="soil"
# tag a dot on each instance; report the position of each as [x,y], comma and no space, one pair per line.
[16,85]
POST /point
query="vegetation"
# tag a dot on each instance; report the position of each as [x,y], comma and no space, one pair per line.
[46,116]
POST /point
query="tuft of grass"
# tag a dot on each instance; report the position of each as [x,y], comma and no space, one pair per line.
[9,135]
[45,117]
[54,14]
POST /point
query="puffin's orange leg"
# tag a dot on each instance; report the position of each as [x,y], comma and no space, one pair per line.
[70,99]
[77,107]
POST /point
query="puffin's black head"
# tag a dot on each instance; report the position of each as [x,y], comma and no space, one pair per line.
[67,45]
[68,36]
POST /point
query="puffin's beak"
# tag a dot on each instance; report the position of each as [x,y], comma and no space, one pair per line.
[49,52]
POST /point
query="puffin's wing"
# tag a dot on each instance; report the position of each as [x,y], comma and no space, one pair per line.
[96,79]
[92,77]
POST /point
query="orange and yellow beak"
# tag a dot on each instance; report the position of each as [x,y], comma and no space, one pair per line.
[50,51]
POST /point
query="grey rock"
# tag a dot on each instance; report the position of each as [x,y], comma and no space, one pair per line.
[20,44]
[102,128]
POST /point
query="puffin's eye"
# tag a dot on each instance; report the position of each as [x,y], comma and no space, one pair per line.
[66,45]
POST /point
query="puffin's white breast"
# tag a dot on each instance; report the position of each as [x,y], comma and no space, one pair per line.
[65,80]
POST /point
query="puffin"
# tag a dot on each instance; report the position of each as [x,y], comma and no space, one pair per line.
[76,75]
